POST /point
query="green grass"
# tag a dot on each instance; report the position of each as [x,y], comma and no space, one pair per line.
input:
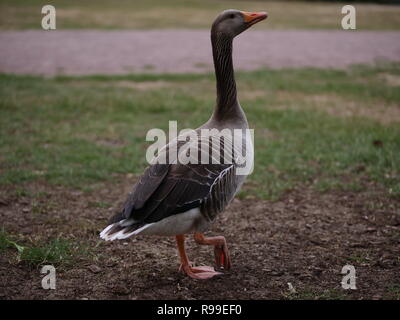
[144,14]
[100,204]
[79,131]
[309,294]
[394,292]
[56,252]
[4,241]
[359,258]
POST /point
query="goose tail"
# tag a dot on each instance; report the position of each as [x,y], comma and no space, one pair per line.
[122,230]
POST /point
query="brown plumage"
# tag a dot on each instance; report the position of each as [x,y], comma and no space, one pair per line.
[176,199]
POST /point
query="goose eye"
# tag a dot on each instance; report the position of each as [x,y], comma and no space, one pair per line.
[231,16]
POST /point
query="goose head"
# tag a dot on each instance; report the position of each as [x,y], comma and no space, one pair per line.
[232,22]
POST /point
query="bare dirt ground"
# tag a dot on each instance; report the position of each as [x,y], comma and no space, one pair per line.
[305,238]
[119,52]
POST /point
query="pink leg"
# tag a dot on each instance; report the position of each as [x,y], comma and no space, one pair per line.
[202,272]
[221,252]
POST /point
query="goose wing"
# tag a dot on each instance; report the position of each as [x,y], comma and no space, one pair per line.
[167,189]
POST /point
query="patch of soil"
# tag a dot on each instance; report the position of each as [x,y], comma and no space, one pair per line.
[304,239]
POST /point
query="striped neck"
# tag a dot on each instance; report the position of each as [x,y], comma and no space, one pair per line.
[226,86]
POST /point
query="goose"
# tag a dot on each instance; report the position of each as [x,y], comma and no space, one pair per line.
[176,198]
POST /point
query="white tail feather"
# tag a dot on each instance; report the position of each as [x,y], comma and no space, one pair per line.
[120,234]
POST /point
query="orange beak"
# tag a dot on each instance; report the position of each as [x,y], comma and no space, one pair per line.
[254,17]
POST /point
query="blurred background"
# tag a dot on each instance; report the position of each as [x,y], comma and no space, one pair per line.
[198,14]
[76,104]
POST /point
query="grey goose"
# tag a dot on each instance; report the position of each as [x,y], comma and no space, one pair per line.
[174,198]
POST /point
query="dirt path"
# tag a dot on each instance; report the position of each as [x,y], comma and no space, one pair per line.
[118,52]
[305,239]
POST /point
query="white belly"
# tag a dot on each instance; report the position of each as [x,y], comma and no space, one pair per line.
[181,223]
